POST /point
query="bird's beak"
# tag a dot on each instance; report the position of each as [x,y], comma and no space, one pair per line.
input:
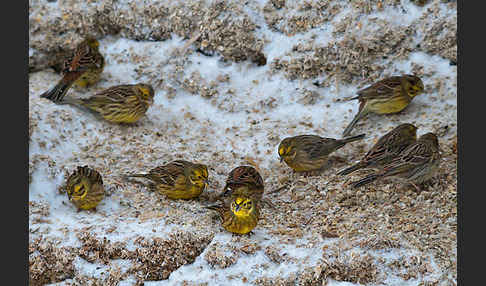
[281,159]
[226,191]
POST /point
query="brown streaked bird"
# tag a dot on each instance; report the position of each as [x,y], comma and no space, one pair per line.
[416,164]
[125,103]
[240,216]
[387,148]
[84,188]
[305,153]
[390,95]
[244,181]
[82,68]
[179,179]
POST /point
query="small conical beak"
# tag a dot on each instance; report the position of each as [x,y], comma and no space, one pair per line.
[226,191]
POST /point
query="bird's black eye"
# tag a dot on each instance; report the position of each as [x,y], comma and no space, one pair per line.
[81,189]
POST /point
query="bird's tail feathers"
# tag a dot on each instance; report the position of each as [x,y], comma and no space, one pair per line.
[355,120]
[147,176]
[366,180]
[353,138]
[348,98]
[57,93]
[351,169]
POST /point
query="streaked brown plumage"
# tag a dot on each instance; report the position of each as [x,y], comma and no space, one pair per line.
[84,188]
[390,95]
[83,68]
[387,148]
[125,103]
[415,164]
[240,216]
[306,153]
[244,181]
[178,179]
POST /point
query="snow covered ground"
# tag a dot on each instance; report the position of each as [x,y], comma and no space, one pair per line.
[226,114]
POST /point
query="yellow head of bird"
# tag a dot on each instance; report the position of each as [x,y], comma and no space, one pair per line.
[92,43]
[198,175]
[147,93]
[416,85]
[408,130]
[242,206]
[286,149]
[79,190]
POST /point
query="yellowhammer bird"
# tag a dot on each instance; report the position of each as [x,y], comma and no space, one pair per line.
[305,153]
[119,104]
[390,95]
[179,179]
[83,68]
[241,216]
[387,148]
[415,164]
[84,188]
[244,181]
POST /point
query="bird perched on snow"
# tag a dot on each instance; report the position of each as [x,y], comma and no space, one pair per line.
[387,148]
[390,95]
[82,68]
[415,164]
[178,179]
[244,181]
[125,103]
[84,188]
[305,153]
